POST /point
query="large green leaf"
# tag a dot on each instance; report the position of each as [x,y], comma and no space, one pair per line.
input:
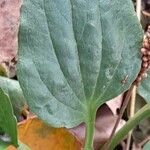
[8,121]
[12,88]
[73,55]
[144,89]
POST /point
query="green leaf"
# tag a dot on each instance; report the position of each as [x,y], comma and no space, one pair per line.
[73,56]
[146,146]
[12,88]
[8,121]
[62,65]
[144,89]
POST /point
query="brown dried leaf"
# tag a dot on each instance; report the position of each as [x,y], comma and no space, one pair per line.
[115,104]
[37,135]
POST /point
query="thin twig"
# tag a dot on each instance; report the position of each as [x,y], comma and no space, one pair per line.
[128,141]
[138,9]
[124,105]
[132,111]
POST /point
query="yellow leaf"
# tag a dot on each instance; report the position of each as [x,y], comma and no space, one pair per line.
[39,136]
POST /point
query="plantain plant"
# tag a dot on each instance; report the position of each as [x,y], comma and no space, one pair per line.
[74,56]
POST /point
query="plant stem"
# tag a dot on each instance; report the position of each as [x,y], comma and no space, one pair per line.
[90,126]
[142,114]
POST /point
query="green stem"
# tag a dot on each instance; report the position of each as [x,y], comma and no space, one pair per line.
[143,113]
[90,126]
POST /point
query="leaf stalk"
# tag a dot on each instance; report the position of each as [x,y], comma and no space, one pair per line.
[90,127]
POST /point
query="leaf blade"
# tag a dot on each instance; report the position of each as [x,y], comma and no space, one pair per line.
[68,39]
[8,121]
[13,89]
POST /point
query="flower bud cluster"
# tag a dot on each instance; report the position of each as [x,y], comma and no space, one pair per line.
[145,50]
